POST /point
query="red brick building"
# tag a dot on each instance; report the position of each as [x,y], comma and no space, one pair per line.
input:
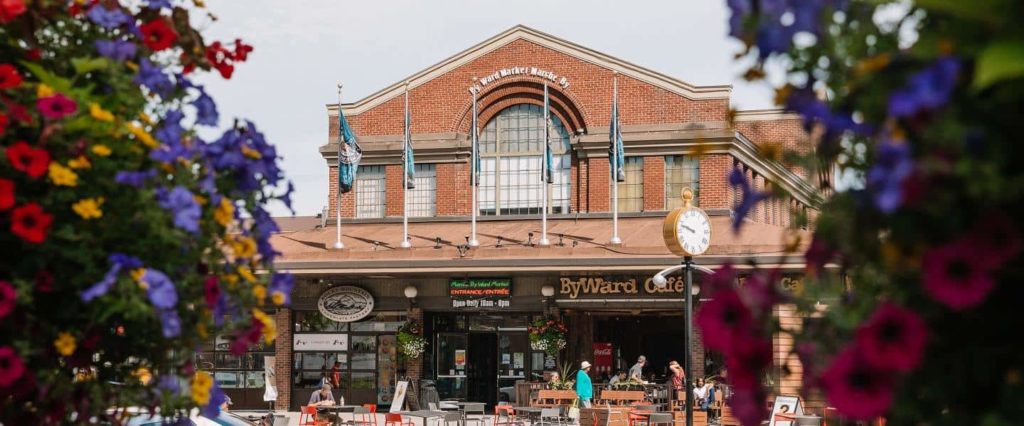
[675,135]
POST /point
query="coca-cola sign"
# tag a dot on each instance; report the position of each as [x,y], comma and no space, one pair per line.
[345,304]
[603,358]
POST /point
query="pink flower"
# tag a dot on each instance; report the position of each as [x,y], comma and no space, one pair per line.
[893,338]
[7,298]
[749,357]
[818,254]
[723,279]
[999,237]
[722,319]
[748,405]
[956,275]
[11,367]
[56,107]
[760,293]
[855,387]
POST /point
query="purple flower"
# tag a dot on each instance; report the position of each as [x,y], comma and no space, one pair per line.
[885,178]
[212,409]
[170,323]
[773,38]
[183,206]
[153,78]
[105,18]
[282,283]
[119,50]
[159,4]
[135,179]
[160,289]
[170,384]
[740,9]
[750,198]
[119,262]
[927,90]
[206,110]
[170,132]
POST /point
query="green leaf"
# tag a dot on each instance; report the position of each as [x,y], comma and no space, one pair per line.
[992,11]
[1000,60]
[86,65]
[57,83]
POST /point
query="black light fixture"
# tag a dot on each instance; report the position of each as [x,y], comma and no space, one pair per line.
[529,242]
[499,242]
[560,242]
[574,243]
[375,245]
[437,242]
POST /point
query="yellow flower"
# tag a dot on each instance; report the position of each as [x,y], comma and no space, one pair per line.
[97,112]
[201,331]
[245,273]
[145,117]
[61,175]
[278,298]
[251,153]
[44,91]
[244,247]
[131,65]
[260,292]
[89,208]
[225,212]
[142,135]
[65,344]
[269,326]
[201,383]
[231,279]
[201,200]
[137,274]
[101,150]
[143,374]
[81,162]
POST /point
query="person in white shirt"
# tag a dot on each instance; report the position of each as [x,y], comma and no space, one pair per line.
[621,377]
[702,393]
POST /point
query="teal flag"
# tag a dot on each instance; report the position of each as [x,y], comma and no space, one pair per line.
[349,154]
[476,147]
[410,164]
[616,154]
[549,170]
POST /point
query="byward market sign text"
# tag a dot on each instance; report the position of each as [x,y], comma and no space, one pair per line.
[561,81]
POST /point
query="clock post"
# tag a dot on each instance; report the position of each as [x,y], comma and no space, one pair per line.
[687,232]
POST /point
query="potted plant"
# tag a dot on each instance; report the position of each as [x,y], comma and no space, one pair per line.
[411,343]
[547,335]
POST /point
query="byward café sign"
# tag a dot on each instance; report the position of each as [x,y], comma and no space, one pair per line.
[497,75]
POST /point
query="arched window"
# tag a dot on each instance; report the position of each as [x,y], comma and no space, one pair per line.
[511,153]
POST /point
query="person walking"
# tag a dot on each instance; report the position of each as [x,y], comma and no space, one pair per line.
[584,389]
[637,370]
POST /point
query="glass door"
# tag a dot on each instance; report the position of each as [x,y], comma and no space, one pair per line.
[451,365]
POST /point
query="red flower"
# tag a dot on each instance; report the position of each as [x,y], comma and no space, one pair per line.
[956,276]
[17,111]
[998,236]
[748,405]
[6,194]
[242,51]
[722,319]
[818,254]
[9,77]
[7,298]
[44,282]
[220,58]
[247,338]
[10,9]
[11,367]
[158,35]
[31,223]
[3,123]
[34,54]
[893,338]
[746,361]
[56,107]
[211,291]
[856,388]
[33,161]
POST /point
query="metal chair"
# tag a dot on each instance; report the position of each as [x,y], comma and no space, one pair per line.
[360,417]
[660,419]
[476,409]
[452,418]
[395,419]
[308,417]
[372,408]
[547,415]
[504,415]
[433,406]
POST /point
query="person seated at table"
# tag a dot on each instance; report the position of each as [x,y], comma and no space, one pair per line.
[554,379]
[620,377]
[321,398]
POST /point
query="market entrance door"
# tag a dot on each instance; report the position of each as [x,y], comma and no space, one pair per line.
[482,368]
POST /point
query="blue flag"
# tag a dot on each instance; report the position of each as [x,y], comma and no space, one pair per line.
[616,154]
[410,166]
[349,154]
[549,170]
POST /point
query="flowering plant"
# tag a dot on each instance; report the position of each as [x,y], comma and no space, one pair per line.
[547,335]
[411,343]
[123,240]
[917,104]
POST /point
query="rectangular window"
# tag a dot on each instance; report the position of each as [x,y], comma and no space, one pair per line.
[680,172]
[370,194]
[423,199]
[631,192]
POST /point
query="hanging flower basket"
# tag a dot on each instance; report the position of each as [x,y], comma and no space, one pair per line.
[547,335]
[411,343]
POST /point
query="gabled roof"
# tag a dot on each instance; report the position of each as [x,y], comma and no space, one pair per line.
[521,32]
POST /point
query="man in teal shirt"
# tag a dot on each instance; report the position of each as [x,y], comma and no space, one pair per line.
[584,390]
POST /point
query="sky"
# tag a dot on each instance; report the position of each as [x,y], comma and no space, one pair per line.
[304,48]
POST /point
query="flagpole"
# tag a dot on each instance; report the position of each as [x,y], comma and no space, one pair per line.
[405,174]
[338,245]
[544,175]
[615,240]
[473,242]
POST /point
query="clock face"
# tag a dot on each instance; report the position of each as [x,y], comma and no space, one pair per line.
[694,231]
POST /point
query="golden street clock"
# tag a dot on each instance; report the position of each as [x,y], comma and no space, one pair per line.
[687,230]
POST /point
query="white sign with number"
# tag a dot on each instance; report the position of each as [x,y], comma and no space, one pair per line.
[786,404]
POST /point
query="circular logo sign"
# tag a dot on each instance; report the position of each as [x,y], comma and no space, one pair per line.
[345,304]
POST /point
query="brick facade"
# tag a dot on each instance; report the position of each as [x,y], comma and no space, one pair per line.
[283,358]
